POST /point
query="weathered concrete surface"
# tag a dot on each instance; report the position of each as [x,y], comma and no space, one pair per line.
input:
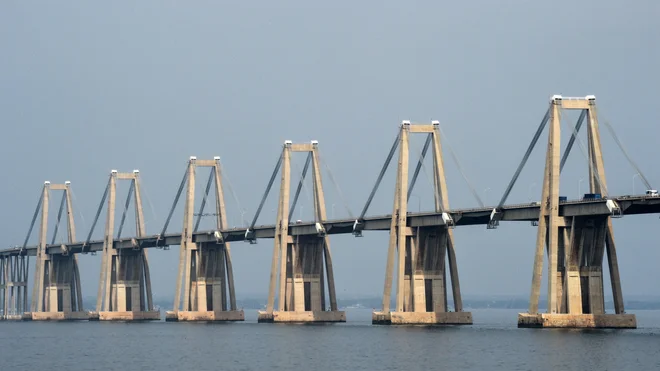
[17,317]
[218,316]
[60,316]
[545,320]
[421,318]
[130,316]
[301,317]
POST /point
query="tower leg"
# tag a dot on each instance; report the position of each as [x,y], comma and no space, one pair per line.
[208,287]
[304,279]
[580,280]
[130,292]
[15,288]
[425,301]
[61,290]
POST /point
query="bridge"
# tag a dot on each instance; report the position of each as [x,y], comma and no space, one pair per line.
[576,235]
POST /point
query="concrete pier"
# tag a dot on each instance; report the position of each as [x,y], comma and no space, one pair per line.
[422,252]
[124,292]
[561,320]
[301,316]
[303,260]
[62,316]
[205,280]
[13,286]
[27,316]
[575,244]
[56,294]
[421,318]
[207,316]
[129,316]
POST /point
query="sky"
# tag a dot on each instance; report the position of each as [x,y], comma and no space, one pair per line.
[87,87]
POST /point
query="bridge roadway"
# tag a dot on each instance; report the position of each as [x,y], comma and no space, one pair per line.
[629,205]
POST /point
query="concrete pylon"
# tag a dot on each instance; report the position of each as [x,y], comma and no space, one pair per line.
[124,292]
[575,244]
[56,293]
[421,292]
[300,272]
[205,275]
[13,287]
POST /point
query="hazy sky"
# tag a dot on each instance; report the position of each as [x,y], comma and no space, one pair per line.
[87,87]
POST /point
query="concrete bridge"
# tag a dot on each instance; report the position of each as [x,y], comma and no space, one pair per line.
[576,235]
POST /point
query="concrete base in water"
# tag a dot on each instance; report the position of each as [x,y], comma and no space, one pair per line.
[27,316]
[190,316]
[301,317]
[421,318]
[545,320]
[61,316]
[130,316]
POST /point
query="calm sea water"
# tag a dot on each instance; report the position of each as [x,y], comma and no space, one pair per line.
[492,343]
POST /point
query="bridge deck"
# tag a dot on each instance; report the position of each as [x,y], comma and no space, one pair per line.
[629,205]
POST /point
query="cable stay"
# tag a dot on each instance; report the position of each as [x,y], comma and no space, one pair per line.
[306,189]
[59,217]
[590,160]
[301,184]
[574,134]
[75,201]
[123,215]
[151,206]
[532,144]
[380,178]
[460,168]
[249,233]
[625,153]
[176,200]
[337,188]
[420,163]
[34,219]
[233,194]
[209,182]
[288,148]
[96,218]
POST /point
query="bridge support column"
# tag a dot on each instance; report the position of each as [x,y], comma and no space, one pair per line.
[301,294]
[13,287]
[125,285]
[424,283]
[205,276]
[56,293]
[62,295]
[575,245]
[421,292]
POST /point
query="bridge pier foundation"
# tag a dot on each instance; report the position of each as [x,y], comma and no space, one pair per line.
[13,287]
[56,293]
[124,292]
[208,275]
[127,293]
[424,296]
[575,244]
[422,252]
[302,259]
[304,288]
[205,275]
[579,289]
[62,299]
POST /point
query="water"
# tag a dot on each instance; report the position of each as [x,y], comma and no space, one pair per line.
[492,343]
